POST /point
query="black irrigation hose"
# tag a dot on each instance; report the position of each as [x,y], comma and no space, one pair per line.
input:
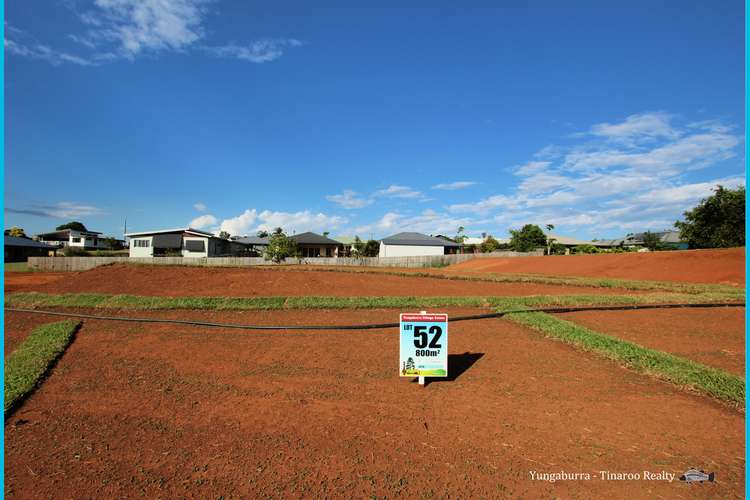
[376,326]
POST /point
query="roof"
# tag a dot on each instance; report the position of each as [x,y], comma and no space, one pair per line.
[15,241]
[63,233]
[252,240]
[197,232]
[313,239]
[346,240]
[418,239]
[567,240]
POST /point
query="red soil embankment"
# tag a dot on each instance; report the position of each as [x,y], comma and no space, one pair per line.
[725,266]
[179,281]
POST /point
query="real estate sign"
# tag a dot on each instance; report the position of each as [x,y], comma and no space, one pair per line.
[424,345]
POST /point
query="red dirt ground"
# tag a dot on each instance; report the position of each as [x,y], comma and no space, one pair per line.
[243,282]
[714,337]
[17,328]
[178,411]
[725,266]
[15,282]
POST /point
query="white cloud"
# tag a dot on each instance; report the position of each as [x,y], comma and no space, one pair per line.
[636,179]
[299,221]
[451,186]
[201,207]
[138,26]
[258,51]
[396,191]
[251,221]
[17,42]
[349,199]
[61,210]
[241,224]
[128,29]
[428,222]
[532,167]
[645,126]
[203,221]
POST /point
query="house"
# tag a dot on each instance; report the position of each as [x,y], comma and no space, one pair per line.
[416,244]
[670,239]
[19,249]
[255,244]
[87,240]
[184,242]
[570,242]
[348,245]
[317,245]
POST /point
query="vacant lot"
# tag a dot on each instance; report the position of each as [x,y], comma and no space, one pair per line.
[696,266]
[164,410]
[714,337]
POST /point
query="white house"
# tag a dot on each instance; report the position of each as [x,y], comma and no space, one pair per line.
[185,242]
[416,244]
[73,238]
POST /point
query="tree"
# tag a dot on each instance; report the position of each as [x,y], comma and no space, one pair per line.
[280,247]
[372,249]
[112,243]
[528,238]
[262,234]
[359,246]
[717,222]
[224,235]
[550,241]
[489,244]
[16,231]
[326,233]
[75,225]
[652,241]
[460,237]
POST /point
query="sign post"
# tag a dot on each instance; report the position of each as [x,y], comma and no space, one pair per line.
[423,345]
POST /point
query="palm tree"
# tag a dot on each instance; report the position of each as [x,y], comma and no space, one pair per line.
[549,227]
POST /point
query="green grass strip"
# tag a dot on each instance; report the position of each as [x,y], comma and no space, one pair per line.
[675,369]
[135,302]
[26,366]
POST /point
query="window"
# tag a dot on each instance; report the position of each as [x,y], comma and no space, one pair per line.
[76,240]
[141,243]
[195,245]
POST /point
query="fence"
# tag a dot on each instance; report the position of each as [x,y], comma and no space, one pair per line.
[86,263]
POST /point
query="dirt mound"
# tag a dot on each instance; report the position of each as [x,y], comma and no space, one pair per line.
[726,266]
[248,282]
[176,411]
[15,282]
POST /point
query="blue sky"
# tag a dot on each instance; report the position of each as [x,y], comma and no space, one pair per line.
[601,118]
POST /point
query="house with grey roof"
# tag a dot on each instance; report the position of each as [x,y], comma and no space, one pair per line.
[317,245]
[19,249]
[182,242]
[410,244]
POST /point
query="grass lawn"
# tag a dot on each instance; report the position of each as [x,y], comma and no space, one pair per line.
[26,366]
[17,267]
[136,302]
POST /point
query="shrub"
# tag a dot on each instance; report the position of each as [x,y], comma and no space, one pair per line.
[74,252]
[372,249]
[580,249]
[489,244]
